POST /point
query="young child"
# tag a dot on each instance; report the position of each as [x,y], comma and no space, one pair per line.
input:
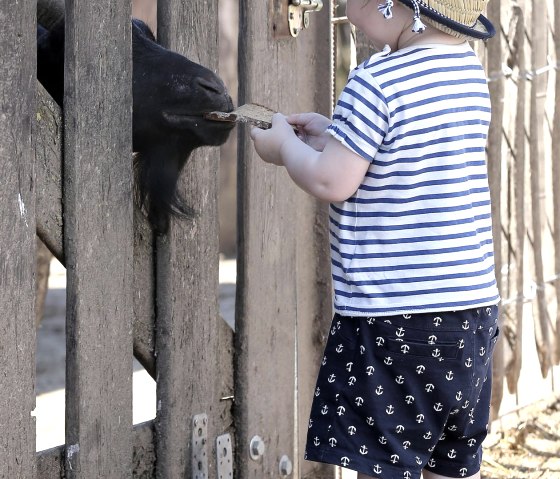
[404,385]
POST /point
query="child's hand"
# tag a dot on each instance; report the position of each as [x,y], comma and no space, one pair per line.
[311,128]
[268,143]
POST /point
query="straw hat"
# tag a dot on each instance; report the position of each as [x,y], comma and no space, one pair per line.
[460,18]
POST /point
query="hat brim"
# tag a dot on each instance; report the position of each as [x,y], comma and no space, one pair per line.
[481,30]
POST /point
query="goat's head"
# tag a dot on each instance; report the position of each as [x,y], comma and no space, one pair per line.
[170,95]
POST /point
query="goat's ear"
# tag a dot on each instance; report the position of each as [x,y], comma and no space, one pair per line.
[143,28]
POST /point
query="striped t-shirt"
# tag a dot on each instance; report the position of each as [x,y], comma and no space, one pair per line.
[416,236]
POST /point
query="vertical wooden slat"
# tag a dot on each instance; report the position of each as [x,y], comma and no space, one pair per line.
[496,87]
[556,173]
[518,233]
[277,288]
[536,159]
[98,239]
[17,240]
[188,327]
[314,307]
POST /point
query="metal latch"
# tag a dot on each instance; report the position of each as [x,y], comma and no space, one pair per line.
[298,14]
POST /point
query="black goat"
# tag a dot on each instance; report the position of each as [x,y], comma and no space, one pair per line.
[170,95]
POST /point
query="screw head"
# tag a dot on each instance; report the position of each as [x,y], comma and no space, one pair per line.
[285,466]
[256,448]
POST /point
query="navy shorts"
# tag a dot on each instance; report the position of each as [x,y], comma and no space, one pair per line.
[402,393]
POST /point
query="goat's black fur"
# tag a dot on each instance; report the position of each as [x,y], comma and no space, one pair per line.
[170,95]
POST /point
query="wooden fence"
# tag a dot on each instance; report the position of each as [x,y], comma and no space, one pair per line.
[522,63]
[128,291]
[157,297]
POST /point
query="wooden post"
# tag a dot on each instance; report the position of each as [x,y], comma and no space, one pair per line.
[98,239]
[513,368]
[17,237]
[536,153]
[496,87]
[192,353]
[282,289]
[556,174]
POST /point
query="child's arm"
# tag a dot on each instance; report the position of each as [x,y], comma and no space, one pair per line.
[333,174]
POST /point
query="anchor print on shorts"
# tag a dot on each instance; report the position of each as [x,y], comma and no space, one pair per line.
[386,385]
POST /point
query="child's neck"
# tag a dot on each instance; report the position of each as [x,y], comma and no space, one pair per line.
[430,35]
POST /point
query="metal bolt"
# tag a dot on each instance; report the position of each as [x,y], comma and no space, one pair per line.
[285,466]
[256,448]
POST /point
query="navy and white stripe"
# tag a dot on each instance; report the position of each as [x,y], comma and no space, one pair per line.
[417,234]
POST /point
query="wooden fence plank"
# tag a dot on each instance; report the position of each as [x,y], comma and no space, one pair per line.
[98,239]
[50,462]
[314,307]
[556,174]
[536,159]
[496,87]
[189,342]
[17,237]
[275,250]
[48,161]
[514,310]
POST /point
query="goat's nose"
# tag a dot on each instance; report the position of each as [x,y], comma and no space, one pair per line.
[212,85]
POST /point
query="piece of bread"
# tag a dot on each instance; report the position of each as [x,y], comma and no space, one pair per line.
[252,113]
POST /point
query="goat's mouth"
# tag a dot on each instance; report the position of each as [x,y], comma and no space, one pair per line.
[188,120]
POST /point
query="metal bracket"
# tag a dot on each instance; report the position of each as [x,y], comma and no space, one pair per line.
[224,456]
[199,464]
[298,14]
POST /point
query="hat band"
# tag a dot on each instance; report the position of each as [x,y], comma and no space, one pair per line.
[486,31]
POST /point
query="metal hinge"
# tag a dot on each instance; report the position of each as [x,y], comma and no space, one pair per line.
[298,14]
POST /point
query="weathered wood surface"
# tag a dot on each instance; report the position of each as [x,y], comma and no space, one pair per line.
[538,35]
[556,176]
[48,171]
[514,296]
[48,174]
[193,351]
[98,239]
[50,463]
[280,276]
[17,237]
[496,88]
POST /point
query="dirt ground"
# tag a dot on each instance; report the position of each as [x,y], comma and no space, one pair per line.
[526,445]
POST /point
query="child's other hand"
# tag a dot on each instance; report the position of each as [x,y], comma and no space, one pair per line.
[312,129]
[268,143]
